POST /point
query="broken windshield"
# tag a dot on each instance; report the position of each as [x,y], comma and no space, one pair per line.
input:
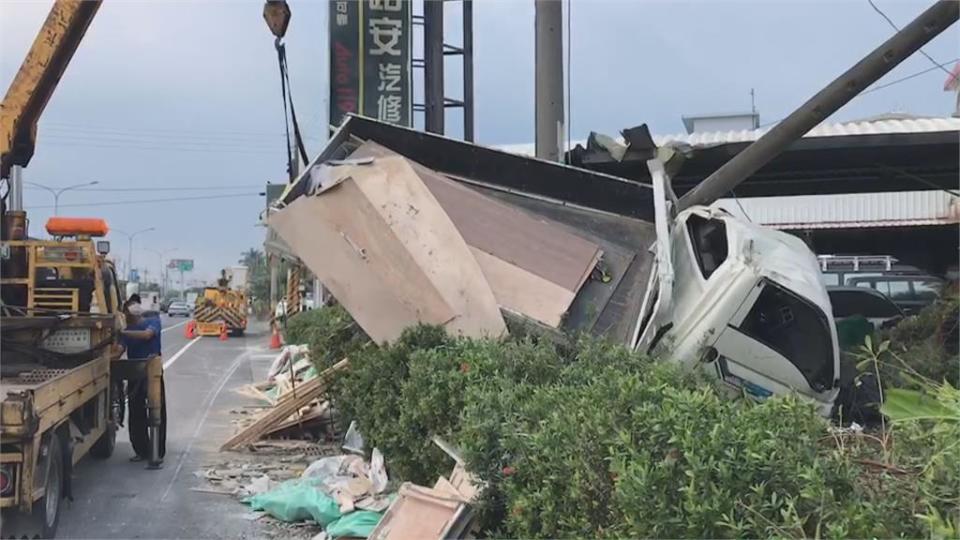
[796,329]
[709,240]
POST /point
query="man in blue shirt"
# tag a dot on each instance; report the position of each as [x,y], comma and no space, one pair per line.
[142,341]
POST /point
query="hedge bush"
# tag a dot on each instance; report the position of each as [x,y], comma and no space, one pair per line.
[330,332]
[588,439]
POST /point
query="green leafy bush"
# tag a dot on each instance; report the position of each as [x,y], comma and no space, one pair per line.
[925,344]
[582,438]
[330,332]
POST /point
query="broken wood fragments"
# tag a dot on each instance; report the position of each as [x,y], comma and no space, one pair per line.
[286,407]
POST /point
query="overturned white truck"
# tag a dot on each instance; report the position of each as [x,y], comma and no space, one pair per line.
[741,301]
[407,227]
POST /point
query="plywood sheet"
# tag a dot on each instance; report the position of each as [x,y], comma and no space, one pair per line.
[383,246]
[524,292]
[537,245]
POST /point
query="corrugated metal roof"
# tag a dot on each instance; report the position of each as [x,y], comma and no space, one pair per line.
[711,138]
[876,127]
[849,211]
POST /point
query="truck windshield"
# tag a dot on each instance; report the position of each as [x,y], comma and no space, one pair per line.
[796,329]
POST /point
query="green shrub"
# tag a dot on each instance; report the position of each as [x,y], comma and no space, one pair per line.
[921,344]
[330,332]
[582,438]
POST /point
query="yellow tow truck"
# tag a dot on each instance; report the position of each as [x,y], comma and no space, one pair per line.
[58,332]
[221,310]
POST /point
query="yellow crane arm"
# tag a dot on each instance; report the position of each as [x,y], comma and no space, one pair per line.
[38,77]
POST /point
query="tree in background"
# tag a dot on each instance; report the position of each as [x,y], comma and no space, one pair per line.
[259,278]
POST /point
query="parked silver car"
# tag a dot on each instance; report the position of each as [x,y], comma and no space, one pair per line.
[179,309]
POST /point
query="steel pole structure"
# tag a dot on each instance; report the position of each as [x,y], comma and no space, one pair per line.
[468,129]
[549,79]
[433,65]
[838,93]
[16,189]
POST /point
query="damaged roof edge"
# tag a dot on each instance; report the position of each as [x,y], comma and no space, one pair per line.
[496,168]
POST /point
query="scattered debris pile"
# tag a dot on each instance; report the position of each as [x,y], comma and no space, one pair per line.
[295,394]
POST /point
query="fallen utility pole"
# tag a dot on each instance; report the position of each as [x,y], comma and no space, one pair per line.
[838,93]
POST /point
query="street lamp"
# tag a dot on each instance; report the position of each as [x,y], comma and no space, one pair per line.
[57,192]
[163,269]
[131,236]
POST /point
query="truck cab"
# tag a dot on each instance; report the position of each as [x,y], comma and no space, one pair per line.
[743,303]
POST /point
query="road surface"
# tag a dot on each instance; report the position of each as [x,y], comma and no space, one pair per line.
[117,498]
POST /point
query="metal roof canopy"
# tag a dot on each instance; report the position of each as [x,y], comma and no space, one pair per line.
[869,163]
[495,169]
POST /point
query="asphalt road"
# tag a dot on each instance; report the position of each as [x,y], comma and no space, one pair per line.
[117,498]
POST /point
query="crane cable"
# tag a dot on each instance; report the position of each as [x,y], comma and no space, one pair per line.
[290,116]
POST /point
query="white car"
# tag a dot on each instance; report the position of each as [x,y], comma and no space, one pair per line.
[742,302]
[178,309]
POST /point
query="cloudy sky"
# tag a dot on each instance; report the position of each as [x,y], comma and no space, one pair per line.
[169,103]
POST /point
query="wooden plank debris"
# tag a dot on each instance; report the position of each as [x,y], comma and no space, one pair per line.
[424,513]
[306,393]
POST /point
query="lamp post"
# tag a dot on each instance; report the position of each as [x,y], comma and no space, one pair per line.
[163,269]
[57,192]
[131,236]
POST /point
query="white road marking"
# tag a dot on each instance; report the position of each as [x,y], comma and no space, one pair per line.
[211,399]
[178,325]
[179,353]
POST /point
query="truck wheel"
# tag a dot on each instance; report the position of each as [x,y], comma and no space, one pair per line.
[46,511]
[103,448]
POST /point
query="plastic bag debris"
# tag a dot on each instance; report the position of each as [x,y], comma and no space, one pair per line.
[297,500]
[357,524]
[353,440]
[378,472]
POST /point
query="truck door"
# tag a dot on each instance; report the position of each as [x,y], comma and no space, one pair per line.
[777,341]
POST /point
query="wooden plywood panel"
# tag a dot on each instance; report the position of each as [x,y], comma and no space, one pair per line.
[523,292]
[381,243]
[535,244]
[420,513]
[433,241]
[361,262]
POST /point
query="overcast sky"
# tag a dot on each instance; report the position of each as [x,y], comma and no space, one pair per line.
[185,96]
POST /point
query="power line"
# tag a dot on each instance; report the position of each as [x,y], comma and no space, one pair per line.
[897,28]
[136,202]
[908,77]
[885,85]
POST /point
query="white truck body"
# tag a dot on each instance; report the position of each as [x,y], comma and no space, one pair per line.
[743,302]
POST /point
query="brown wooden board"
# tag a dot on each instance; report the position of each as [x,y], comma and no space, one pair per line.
[535,244]
[387,251]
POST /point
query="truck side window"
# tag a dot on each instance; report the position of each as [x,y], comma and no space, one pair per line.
[794,328]
[709,240]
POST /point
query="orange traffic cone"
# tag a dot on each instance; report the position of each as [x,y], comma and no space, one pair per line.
[275,339]
[223,333]
[189,331]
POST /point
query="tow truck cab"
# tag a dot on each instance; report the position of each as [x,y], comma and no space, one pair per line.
[745,304]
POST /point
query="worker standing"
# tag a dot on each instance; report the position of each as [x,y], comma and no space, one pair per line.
[142,341]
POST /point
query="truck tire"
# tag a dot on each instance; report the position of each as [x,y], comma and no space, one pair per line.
[103,448]
[45,517]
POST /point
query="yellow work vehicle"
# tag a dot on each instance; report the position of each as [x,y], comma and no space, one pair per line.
[59,324]
[221,310]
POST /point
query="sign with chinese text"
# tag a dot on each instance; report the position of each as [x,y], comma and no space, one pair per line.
[183,265]
[370,61]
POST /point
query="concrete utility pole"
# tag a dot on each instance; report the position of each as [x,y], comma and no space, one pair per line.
[549,79]
[826,102]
